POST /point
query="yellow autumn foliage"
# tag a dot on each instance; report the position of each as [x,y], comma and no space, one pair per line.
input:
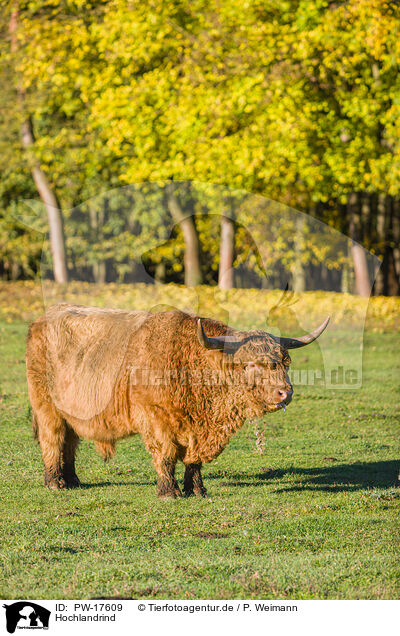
[241,308]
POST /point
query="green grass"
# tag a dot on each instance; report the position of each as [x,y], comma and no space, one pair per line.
[316,516]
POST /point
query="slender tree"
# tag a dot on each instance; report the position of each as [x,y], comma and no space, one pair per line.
[187,224]
[358,252]
[46,192]
[226,252]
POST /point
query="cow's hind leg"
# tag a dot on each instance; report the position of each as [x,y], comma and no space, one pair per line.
[50,430]
[193,483]
[71,441]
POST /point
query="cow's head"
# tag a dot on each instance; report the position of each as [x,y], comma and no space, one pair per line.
[260,364]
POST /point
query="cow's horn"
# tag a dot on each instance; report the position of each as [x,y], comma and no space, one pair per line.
[229,344]
[302,341]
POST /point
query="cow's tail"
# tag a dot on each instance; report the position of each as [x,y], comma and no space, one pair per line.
[105,449]
[35,427]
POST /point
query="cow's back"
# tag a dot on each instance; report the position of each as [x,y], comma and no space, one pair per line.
[81,351]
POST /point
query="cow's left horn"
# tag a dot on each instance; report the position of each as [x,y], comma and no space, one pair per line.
[229,344]
[302,341]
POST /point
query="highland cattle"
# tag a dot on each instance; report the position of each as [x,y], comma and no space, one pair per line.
[185,384]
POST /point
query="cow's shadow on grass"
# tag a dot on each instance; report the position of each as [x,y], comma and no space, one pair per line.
[328,478]
[332,478]
[104,484]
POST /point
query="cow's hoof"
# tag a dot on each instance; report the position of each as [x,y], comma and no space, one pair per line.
[200,492]
[73,482]
[170,494]
[56,484]
[196,492]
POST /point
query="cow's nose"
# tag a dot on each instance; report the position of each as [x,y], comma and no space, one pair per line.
[281,395]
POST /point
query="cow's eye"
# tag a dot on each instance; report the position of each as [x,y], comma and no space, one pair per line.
[273,365]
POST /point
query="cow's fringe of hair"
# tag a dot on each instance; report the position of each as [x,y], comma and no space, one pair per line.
[105,449]
[35,427]
[260,437]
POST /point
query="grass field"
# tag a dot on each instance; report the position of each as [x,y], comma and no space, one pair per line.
[315,516]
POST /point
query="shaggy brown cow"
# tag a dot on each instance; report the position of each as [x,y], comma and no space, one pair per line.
[106,374]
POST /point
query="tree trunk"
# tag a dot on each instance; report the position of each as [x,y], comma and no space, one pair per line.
[298,273]
[46,193]
[192,267]
[99,268]
[379,287]
[226,253]
[344,283]
[363,286]
[15,271]
[396,235]
[99,272]
[159,272]
[392,286]
[366,214]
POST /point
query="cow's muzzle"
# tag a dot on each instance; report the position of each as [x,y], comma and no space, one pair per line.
[283,397]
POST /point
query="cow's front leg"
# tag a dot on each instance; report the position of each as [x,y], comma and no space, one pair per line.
[167,485]
[193,483]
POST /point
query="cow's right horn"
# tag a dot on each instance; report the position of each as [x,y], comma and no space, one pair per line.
[229,344]
[302,341]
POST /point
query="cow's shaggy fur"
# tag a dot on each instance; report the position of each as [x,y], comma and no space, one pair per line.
[103,375]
